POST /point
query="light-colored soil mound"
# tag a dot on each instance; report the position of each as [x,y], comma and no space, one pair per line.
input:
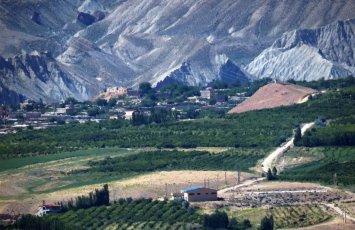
[274,95]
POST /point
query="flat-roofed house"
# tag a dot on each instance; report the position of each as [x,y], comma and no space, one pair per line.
[199,193]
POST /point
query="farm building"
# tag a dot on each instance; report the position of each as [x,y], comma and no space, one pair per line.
[48,208]
[199,193]
[177,196]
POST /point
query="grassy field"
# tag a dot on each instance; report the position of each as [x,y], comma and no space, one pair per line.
[284,217]
[328,162]
[42,174]
[15,163]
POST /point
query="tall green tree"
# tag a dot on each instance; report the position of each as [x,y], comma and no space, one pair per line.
[274,172]
[216,220]
[269,175]
[298,136]
[145,88]
[101,102]
[267,223]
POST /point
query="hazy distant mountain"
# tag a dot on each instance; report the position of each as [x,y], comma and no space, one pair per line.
[309,54]
[95,44]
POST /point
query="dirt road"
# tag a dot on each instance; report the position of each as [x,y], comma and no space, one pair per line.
[238,186]
[339,211]
[277,153]
[267,163]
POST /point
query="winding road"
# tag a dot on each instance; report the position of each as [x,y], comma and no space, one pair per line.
[268,163]
[278,152]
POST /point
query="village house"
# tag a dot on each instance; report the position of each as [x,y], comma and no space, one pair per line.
[129,114]
[63,111]
[44,209]
[117,91]
[199,193]
[207,94]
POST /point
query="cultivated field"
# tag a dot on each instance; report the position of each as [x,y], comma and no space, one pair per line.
[60,177]
[139,214]
[285,217]
[327,165]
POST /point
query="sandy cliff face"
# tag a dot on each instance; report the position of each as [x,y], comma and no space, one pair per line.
[118,42]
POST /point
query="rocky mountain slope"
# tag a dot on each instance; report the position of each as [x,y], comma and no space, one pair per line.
[38,75]
[95,44]
[309,54]
[274,95]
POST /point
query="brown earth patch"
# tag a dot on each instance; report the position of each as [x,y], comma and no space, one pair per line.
[274,95]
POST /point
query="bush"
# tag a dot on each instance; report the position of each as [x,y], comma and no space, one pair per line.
[216,220]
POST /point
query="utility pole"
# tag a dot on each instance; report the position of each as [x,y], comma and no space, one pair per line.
[345,217]
[217,180]
[208,182]
[238,177]
[166,190]
[225,178]
[335,179]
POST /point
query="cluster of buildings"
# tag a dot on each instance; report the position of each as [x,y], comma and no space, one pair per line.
[127,102]
[118,92]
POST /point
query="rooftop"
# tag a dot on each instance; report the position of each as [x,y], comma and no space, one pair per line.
[191,188]
[51,205]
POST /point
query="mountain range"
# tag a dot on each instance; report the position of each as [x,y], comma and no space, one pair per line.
[51,50]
